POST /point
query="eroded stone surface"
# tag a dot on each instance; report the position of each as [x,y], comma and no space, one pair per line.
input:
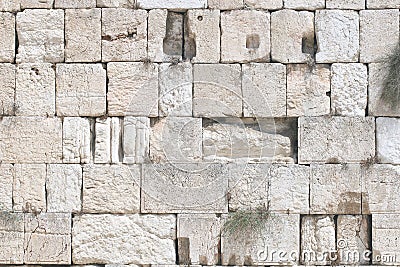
[116,139]
[103,140]
[388,143]
[225,4]
[25,4]
[76,140]
[345,4]
[11,6]
[136,139]
[172,4]
[116,3]
[6,189]
[383,4]
[7,93]
[385,238]
[74,3]
[7,37]
[304,4]
[264,4]
[11,238]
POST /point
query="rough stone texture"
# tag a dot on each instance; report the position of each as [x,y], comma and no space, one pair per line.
[337,34]
[124,34]
[225,4]
[11,6]
[11,238]
[7,37]
[116,3]
[378,31]
[307,90]
[317,238]
[63,187]
[30,140]
[336,139]
[217,90]
[335,189]
[136,139]
[264,4]
[132,89]
[349,89]
[148,238]
[7,92]
[83,35]
[245,36]
[345,4]
[187,136]
[296,31]
[40,35]
[76,140]
[103,140]
[81,90]
[175,89]
[116,139]
[6,190]
[25,4]
[387,139]
[111,189]
[35,93]
[184,188]
[383,4]
[29,187]
[203,232]
[264,90]
[385,239]
[172,4]
[74,3]
[304,4]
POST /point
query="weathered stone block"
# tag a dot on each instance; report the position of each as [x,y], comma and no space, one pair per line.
[74,3]
[184,188]
[349,89]
[304,4]
[264,4]
[76,140]
[10,6]
[136,139]
[217,90]
[383,4]
[83,35]
[345,4]
[111,189]
[388,143]
[7,92]
[245,36]
[6,189]
[40,35]
[225,4]
[81,90]
[63,187]
[35,93]
[336,139]
[307,90]
[7,37]
[264,90]
[116,140]
[172,4]
[25,4]
[124,34]
[337,34]
[102,149]
[11,238]
[116,3]
[132,89]
[148,238]
[385,239]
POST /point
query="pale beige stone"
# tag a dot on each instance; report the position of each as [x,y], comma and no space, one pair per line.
[10,6]
[387,140]
[225,4]
[264,4]
[148,238]
[264,90]
[103,140]
[81,90]
[345,4]
[383,4]
[11,238]
[337,33]
[111,189]
[304,4]
[116,3]
[385,239]
[35,93]
[7,37]
[63,187]
[7,92]
[40,35]
[132,89]
[217,90]
[124,34]
[307,90]
[172,4]
[6,189]
[25,4]
[116,139]
[245,36]
[136,139]
[74,3]
[76,140]
[83,35]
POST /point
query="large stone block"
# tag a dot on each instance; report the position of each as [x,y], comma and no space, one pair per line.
[11,238]
[10,6]
[76,140]
[345,4]
[172,4]
[102,150]
[7,37]
[7,92]
[245,36]
[83,35]
[304,4]
[264,4]
[132,89]
[6,189]
[337,33]
[26,4]
[385,239]
[336,139]
[40,35]
[383,4]
[388,143]
[136,140]
[74,3]
[148,238]
[225,4]
[116,3]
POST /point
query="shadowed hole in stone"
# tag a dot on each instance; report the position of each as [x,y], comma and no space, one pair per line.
[308,45]
[252,41]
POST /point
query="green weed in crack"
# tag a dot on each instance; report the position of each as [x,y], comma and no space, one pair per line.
[391,84]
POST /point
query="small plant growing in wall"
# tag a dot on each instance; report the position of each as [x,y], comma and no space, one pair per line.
[246,221]
[391,84]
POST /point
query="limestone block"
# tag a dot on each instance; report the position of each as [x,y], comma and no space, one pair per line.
[203,26]
[148,238]
[76,140]
[40,35]
[29,192]
[83,35]
[279,232]
[264,90]
[63,187]
[383,4]
[176,85]
[11,238]
[296,30]
[337,34]
[103,140]
[317,238]
[116,139]
[184,188]
[388,143]
[217,90]
[336,139]
[304,4]
[35,93]
[264,4]
[116,3]
[345,4]
[335,189]
[186,134]
[25,4]
[6,190]
[136,139]
[349,89]
[225,4]
[378,31]
[75,3]
[385,239]
[172,4]
[7,92]
[111,188]
[10,6]
[81,90]
[307,90]
[124,34]
[7,37]
[245,36]
[203,234]
[132,89]
[30,140]
[47,238]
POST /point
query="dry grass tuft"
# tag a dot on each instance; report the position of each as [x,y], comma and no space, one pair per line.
[391,86]
[246,221]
